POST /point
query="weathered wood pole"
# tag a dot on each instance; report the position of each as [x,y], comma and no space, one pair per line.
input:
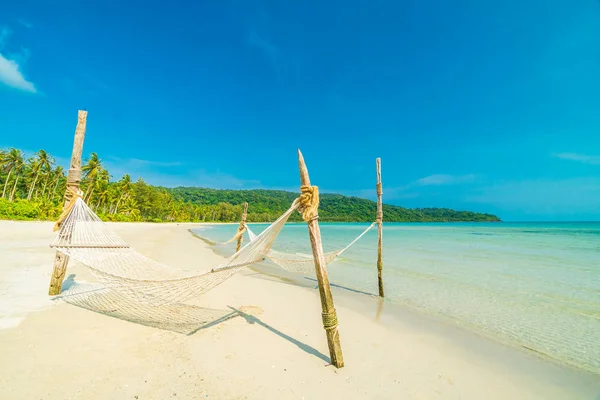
[379,309]
[329,315]
[73,180]
[379,229]
[241,227]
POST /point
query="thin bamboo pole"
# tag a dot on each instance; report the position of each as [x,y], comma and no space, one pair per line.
[329,315]
[73,180]
[241,227]
[379,229]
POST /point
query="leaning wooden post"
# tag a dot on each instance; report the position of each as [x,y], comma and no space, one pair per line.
[309,207]
[379,228]
[242,227]
[73,180]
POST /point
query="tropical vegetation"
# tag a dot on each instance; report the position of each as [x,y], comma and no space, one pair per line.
[267,205]
[33,188]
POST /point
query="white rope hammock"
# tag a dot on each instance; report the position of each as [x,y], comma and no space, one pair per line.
[135,288]
[179,317]
[85,238]
[300,262]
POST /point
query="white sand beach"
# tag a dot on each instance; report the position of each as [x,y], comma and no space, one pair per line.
[53,350]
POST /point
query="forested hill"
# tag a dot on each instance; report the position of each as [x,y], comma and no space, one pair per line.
[32,189]
[267,205]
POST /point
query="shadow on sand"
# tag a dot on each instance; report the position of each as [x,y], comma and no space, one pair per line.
[343,287]
[251,319]
[177,317]
[67,283]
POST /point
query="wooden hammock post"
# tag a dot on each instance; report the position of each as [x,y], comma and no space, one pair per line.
[379,229]
[329,315]
[241,227]
[73,180]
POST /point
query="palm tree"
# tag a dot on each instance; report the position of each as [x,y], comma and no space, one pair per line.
[40,163]
[125,187]
[47,178]
[58,172]
[18,168]
[3,154]
[102,187]
[91,170]
[9,162]
[130,207]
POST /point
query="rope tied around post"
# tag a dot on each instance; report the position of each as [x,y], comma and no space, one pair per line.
[309,202]
[75,194]
[240,232]
[242,227]
[330,320]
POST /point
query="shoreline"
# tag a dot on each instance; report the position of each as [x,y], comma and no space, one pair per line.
[275,350]
[290,222]
[396,311]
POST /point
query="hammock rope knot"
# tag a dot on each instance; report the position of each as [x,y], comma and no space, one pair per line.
[75,194]
[309,202]
[240,233]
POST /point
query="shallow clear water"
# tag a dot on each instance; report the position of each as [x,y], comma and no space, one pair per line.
[531,284]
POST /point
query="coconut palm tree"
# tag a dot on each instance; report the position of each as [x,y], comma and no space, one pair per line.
[130,208]
[18,169]
[3,154]
[40,163]
[58,173]
[101,187]
[91,171]
[125,188]
[47,178]
[9,162]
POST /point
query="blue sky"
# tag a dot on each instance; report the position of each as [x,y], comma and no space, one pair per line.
[479,105]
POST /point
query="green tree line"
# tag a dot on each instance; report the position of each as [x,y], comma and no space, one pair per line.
[267,205]
[33,189]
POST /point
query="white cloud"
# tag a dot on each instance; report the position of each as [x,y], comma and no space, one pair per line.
[10,70]
[411,189]
[442,179]
[389,193]
[195,178]
[262,44]
[583,158]
[135,163]
[25,23]
[11,75]
[270,52]
[160,173]
[5,32]
[20,57]
[544,197]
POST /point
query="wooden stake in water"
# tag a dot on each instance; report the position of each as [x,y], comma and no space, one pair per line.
[73,181]
[329,315]
[241,227]
[379,229]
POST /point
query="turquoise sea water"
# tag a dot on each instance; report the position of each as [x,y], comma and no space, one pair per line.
[531,284]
